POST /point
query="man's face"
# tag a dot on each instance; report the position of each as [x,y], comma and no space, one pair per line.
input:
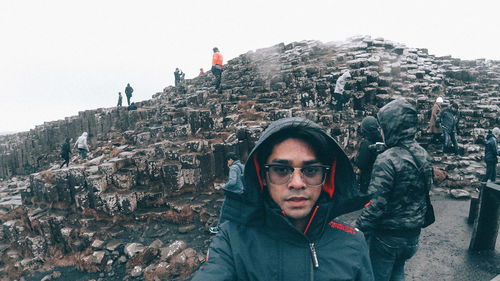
[230,162]
[295,198]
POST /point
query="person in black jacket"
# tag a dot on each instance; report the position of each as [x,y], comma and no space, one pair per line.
[128,92]
[65,151]
[297,180]
[491,154]
[367,153]
[449,119]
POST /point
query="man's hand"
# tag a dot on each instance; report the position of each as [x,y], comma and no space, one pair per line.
[218,186]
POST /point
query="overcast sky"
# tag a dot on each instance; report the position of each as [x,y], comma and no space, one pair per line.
[58,57]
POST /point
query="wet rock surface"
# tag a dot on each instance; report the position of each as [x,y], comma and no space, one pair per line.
[140,206]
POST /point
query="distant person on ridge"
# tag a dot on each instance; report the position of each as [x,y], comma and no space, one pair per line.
[449,119]
[178,75]
[338,93]
[202,71]
[491,154]
[81,144]
[65,151]
[120,98]
[128,93]
[434,127]
[217,68]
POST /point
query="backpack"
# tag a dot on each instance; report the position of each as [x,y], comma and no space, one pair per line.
[429,217]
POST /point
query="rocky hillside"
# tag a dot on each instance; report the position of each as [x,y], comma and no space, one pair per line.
[140,205]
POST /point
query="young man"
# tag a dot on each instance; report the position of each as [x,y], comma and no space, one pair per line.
[400,181]
[297,179]
[234,184]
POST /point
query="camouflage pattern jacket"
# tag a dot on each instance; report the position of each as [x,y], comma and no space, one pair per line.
[397,185]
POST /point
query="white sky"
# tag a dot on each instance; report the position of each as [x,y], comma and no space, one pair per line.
[58,57]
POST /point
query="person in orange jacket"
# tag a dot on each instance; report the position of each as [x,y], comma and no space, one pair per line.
[217,67]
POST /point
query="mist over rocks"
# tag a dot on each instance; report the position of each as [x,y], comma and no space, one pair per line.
[139,206]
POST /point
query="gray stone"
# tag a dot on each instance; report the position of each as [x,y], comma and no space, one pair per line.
[172,249]
[131,249]
[136,271]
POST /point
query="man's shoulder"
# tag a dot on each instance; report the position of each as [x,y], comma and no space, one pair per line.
[349,235]
[342,227]
[390,153]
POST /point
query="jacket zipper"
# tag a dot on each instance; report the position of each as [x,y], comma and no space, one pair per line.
[314,257]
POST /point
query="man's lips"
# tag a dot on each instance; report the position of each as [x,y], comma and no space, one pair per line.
[296,198]
[297,202]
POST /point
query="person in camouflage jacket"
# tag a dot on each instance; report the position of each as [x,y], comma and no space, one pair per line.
[400,180]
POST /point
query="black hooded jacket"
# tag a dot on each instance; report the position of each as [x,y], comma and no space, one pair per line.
[257,242]
[366,157]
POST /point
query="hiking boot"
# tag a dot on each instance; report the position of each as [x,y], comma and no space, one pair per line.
[214,229]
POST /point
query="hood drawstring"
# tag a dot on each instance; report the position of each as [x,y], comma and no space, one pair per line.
[257,169]
[310,220]
[329,186]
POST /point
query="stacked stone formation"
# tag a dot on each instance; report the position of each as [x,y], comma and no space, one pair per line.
[175,143]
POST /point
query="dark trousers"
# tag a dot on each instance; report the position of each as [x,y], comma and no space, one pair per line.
[83,153]
[218,76]
[66,161]
[340,101]
[447,138]
[491,171]
[436,138]
[389,254]
[364,181]
[128,99]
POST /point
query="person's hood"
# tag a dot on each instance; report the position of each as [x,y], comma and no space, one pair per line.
[84,134]
[370,129]
[339,194]
[346,75]
[490,135]
[398,120]
[496,132]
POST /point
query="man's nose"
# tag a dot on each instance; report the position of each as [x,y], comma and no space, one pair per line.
[296,181]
